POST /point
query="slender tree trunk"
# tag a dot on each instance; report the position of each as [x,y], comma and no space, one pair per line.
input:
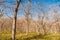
[27,17]
[14,20]
[43,25]
[27,29]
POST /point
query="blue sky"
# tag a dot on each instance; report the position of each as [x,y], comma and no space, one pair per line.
[43,3]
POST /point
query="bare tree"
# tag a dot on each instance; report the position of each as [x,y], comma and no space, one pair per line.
[56,20]
[27,16]
[1,13]
[42,21]
[1,22]
[14,20]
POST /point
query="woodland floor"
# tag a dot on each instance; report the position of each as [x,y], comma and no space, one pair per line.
[30,36]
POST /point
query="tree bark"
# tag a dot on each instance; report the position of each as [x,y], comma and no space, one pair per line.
[14,20]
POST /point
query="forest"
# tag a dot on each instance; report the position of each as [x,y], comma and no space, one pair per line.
[29,19]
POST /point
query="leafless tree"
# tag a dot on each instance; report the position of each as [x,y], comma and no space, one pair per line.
[27,14]
[14,20]
[1,22]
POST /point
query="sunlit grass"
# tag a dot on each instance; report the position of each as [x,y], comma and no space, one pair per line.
[30,36]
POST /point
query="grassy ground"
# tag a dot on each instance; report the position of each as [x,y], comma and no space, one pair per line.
[30,36]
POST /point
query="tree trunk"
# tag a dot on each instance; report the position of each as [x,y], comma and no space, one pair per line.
[27,17]
[14,20]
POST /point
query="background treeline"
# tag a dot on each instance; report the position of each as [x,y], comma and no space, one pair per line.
[18,17]
[39,25]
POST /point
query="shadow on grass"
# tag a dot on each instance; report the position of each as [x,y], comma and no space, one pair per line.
[40,36]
